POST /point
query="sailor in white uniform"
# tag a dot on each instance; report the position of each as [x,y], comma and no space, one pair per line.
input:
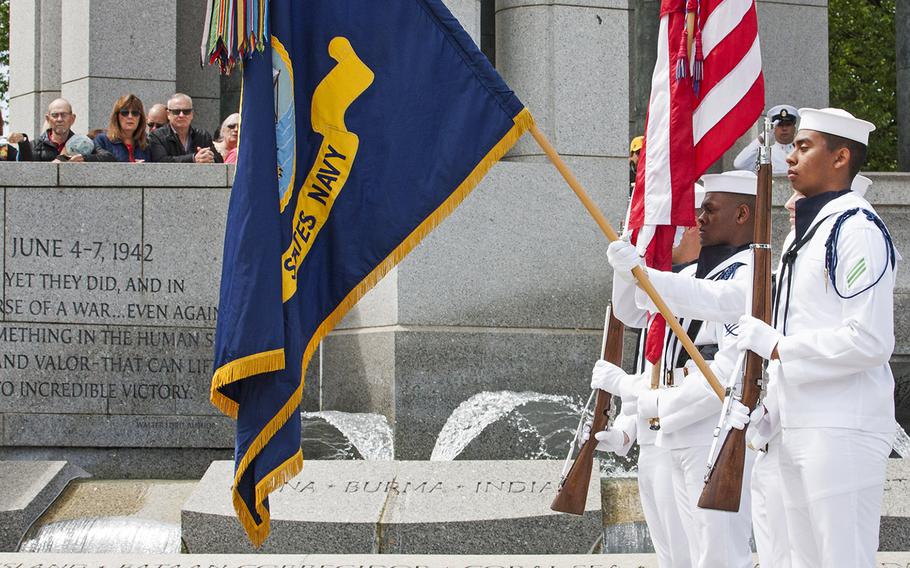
[688,413]
[784,118]
[769,521]
[655,484]
[829,347]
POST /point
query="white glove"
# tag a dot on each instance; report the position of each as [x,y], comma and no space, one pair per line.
[759,430]
[738,416]
[765,422]
[757,336]
[610,440]
[608,377]
[623,257]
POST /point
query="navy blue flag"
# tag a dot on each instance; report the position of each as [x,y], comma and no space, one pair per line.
[363,125]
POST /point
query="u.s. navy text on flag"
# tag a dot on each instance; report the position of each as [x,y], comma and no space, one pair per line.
[363,124]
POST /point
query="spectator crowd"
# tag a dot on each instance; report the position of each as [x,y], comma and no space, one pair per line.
[163,134]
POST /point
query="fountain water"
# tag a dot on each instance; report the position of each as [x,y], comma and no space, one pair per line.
[901,443]
[541,424]
[475,414]
[325,435]
[364,436]
[105,535]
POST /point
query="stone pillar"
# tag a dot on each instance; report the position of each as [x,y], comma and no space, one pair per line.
[794,49]
[468,13]
[902,35]
[568,61]
[114,47]
[34,62]
[643,18]
[201,83]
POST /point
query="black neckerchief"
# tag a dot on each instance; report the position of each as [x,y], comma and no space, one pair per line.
[680,267]
[710,257]
[807,209]
[788,259]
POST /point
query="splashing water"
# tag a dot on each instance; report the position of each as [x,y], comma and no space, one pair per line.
[476,413]
[322,441]
[105,535]
[369,434]
[902,443]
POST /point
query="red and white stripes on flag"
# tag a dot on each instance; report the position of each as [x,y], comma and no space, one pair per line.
[703,98]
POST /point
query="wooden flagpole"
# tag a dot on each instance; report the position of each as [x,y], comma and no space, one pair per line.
[639,274]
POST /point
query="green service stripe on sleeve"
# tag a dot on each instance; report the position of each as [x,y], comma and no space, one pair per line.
[856,271]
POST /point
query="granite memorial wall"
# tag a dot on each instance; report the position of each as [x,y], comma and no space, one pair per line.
[110,294]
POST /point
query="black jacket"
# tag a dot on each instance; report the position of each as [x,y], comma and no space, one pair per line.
[165,146]
[43,150]
[21,152]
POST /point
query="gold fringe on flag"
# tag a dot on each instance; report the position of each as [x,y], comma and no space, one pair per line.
[239,369]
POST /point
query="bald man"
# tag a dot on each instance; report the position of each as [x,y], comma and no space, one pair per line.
[156,117]
[52,142]
[179,142]
[59,119]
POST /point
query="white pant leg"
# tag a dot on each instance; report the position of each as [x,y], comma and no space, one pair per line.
[723,537]
[841,476]
[769,520]
[803,549]
[684,504]
[655,486]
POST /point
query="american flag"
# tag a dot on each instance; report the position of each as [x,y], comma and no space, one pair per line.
[707,90]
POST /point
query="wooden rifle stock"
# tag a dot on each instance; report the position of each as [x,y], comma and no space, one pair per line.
[723,487]
[573,488]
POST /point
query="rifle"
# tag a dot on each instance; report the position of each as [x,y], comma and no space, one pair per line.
[724,478]
[572,492]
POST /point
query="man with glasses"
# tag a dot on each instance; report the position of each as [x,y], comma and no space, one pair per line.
[179,142]
[156,117]
[52,143]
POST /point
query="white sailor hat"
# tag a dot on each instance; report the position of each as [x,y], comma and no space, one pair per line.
[699,198]
[836,121]
[737,181]
[699,195]
[860,185]
[783,113]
